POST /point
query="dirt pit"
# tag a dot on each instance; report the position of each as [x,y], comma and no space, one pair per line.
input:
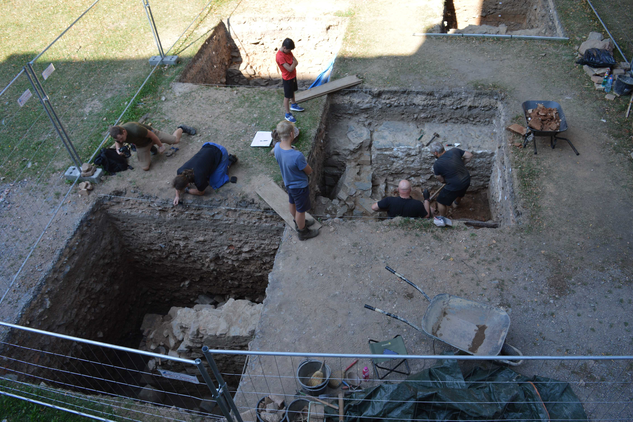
[374,139]
[242,50]
[500,17]
[129,259]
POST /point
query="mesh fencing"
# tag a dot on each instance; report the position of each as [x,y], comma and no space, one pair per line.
[56,111]
[114,382]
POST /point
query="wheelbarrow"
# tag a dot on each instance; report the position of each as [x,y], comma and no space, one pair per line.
[531,133]
[469,326]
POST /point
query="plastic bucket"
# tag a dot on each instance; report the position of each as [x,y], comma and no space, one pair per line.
[623,85]
[305,371]
[257,412]
[294,409]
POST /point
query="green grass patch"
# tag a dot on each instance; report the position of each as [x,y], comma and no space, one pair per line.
[21,410]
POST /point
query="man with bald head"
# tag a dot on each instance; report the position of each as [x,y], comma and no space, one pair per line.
[403,205]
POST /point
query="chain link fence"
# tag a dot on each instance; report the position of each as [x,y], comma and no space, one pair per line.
[119,383]
[55,113]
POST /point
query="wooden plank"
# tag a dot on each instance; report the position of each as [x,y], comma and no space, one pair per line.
[278,201]
[324,89]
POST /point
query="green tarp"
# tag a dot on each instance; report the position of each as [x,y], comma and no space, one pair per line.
[443,393]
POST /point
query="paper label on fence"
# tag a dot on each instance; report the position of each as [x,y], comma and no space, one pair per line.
[262,139]
[47,72]
[24,97]
[178,376]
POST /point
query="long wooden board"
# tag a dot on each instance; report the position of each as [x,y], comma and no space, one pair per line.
[278,201]
[324,89]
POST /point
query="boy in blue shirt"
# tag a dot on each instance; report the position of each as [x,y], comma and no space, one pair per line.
[295,170]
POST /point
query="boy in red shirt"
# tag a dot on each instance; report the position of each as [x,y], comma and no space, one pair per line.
[288,64]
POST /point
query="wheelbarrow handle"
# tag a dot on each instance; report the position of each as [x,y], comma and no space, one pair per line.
[393,316]
[410,283]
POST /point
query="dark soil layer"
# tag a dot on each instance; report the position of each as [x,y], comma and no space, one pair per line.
[211,62]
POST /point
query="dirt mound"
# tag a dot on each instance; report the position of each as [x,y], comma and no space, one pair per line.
[211,62]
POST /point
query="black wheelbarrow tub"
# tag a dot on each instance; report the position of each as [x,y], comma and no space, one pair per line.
[528,105]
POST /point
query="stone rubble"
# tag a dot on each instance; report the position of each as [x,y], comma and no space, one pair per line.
[184,331]
[596,40]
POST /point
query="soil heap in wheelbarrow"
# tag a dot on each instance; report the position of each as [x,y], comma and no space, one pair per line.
[543,119]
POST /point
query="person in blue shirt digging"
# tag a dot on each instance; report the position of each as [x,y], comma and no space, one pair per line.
[295,171]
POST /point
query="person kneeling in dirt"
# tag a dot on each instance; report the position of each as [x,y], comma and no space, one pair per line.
[403,205]
[144,138]
[450,168]
[209,166]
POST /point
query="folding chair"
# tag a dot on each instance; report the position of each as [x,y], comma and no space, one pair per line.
[395,346]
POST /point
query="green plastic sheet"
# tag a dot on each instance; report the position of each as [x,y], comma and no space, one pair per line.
[443,393]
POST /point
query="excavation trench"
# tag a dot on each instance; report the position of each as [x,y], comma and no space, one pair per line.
[149,278]
[508,17]
[172,280]
[372,139]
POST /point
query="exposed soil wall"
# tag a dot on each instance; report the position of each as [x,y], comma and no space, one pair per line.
[212,60]
[515,17]
[131,258]
[242,52]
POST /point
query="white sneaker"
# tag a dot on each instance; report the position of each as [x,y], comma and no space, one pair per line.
[442,221]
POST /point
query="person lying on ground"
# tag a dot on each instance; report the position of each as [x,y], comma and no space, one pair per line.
[404,205]
[144,137]
[450,168]
[208,167]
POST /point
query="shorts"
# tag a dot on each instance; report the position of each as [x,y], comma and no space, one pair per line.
[290,86]
[446,197]
[143,153]
[300,197]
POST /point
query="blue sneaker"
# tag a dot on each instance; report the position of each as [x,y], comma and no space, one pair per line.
[296,107]
[290,118]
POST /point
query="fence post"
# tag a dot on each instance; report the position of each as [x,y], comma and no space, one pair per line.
[214,392]
[50,111]
[222,391]
[161,58]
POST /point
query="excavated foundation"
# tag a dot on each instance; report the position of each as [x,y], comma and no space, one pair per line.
[375,138]
[242,50]
[129,263]
[508,17]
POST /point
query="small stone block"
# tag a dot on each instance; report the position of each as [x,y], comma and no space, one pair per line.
[597,79]
[73,172]
[599,86]
[516,129]
[610,97]
[167,60]
[619,72]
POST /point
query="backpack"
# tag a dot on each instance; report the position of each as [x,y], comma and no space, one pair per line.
[111,161]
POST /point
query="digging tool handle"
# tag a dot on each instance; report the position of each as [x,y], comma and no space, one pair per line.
[341,414]
[628,110]
[436,193]
[393,316]
[435,135]
[410,283]
[350,365]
